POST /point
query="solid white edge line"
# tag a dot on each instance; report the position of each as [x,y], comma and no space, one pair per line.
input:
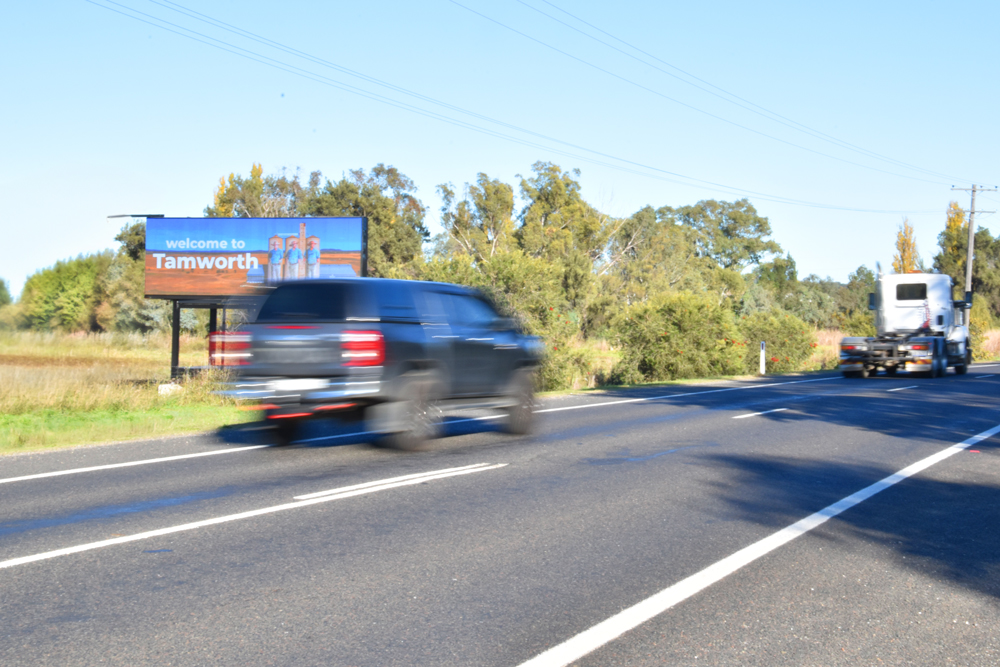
[912,386]
[380,482]
[231,517]
[754,414]
[691,393]
[589,640]
[360,433]
[129,463]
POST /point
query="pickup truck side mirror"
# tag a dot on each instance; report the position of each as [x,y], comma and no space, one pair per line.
[871,301]
[968,299]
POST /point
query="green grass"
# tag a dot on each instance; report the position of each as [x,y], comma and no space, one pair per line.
[48,429]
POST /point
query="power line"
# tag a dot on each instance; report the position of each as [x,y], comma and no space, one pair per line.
[760,110]
[683,104]
[318,78]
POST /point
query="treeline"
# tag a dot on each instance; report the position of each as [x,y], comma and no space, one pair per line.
[676,292]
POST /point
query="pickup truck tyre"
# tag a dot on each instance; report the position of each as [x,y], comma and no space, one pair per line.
[891,370]
[520,415]
[420,412]
[285,431]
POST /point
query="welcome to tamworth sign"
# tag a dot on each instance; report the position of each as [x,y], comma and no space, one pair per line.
[227,257]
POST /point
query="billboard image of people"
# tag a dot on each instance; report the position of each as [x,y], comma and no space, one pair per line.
[242,256]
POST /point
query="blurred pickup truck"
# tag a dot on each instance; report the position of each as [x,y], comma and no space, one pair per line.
[395,354]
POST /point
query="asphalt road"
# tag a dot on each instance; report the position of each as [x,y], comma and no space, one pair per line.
[641,527]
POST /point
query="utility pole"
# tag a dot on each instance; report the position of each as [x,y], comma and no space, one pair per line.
[972,231]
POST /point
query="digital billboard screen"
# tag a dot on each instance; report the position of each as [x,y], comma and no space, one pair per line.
[220,257]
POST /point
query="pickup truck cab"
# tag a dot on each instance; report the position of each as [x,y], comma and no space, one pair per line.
[396,354]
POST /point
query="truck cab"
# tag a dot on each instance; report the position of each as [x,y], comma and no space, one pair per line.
[920,328]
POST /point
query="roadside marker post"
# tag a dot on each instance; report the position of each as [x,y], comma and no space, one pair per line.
[762,349]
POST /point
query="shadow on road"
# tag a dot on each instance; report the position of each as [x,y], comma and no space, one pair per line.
[941,528]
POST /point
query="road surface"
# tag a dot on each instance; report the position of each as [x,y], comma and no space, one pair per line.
[715,524]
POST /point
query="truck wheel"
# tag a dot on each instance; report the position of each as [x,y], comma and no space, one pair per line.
[420,414]
[941,361]
[520,415]
[963,368]
[891,370]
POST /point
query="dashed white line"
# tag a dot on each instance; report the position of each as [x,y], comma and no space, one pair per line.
[336,494]
[589,640]
[912,386]
[754,414]
[127,464]
[980,377]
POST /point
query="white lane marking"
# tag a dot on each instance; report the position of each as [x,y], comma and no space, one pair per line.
[986,365]
[980,377]
[459,421]
[440,474]
[912,386]
[595,405]
[382,482]
[608,630]
[754,414]
[129,463]
[692,393]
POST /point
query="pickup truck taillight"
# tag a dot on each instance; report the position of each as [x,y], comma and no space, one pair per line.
[854,347]
[362,348]
[228,349]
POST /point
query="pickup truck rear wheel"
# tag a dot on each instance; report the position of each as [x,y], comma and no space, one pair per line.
[520,415]
[285,431]
[420,414]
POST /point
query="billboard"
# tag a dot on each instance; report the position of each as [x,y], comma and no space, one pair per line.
[224,257]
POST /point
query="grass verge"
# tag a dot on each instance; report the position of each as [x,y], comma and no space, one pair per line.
[49,429]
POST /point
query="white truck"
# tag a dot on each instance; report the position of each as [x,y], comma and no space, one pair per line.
[919,327]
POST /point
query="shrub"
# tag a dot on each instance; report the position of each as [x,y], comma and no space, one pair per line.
[789,341]
[981,321]
[681,335]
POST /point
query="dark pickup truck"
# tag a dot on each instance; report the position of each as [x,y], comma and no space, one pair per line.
[394,353]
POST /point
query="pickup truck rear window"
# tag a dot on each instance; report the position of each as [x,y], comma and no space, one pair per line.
[911,292]
[307,302]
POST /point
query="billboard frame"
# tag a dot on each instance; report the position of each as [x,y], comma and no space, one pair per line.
[225,301]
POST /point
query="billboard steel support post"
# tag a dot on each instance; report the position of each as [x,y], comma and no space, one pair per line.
[175,341]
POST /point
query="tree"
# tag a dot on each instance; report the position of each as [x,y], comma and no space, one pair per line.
[481,224]
[780,276]
[556,222]
[256,197]
[953,242]
[4,293]
[907,258]
[648,253]
[731,234]
[64,296]
[387,198]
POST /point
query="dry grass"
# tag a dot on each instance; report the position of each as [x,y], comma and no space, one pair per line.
[69,389]
[991,345]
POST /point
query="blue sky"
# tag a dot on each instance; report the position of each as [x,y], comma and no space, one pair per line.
[104,114]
